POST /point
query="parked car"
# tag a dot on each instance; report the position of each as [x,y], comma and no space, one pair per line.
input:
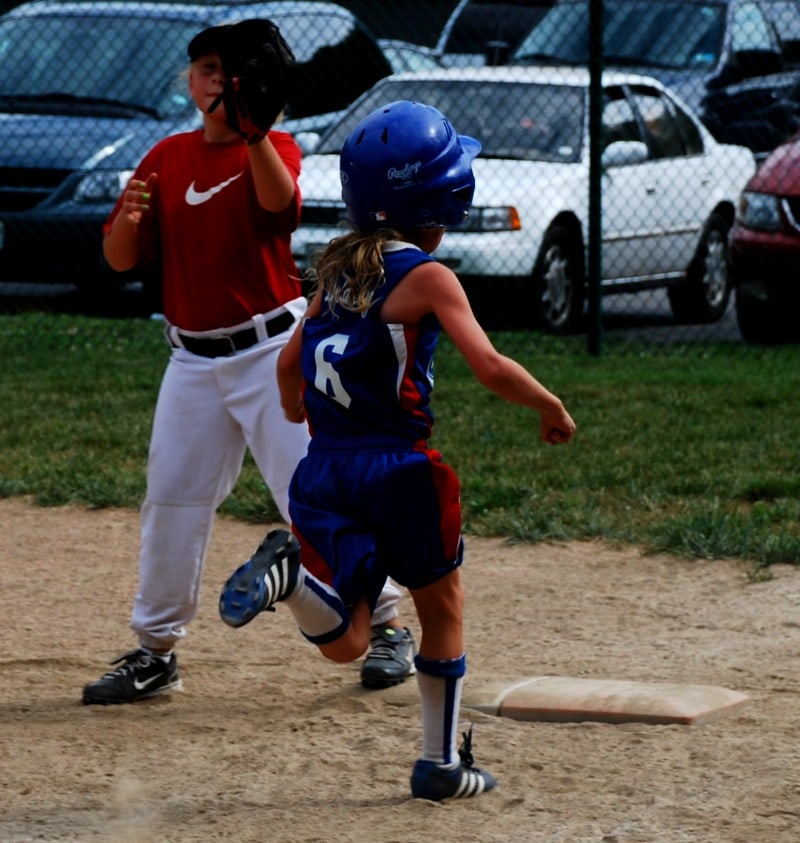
[86,88]
[730,60]
[668,190]
[487,31]
[765,249]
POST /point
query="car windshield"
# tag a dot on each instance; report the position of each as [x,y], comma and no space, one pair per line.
[95,63]
[523,121]
[635,32]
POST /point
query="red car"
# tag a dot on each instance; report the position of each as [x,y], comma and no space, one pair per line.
[764,249]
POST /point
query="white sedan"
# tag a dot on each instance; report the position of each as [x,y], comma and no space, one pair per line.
[668,190]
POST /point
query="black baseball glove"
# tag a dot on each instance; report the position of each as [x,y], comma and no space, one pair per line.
[259,67]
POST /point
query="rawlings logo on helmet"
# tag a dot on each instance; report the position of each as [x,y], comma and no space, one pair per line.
[406,173]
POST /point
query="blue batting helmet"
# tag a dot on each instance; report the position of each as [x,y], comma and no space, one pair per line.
[404,166]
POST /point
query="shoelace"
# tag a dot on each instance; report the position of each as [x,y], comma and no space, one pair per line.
[132,660]
[382,649]
[465,750]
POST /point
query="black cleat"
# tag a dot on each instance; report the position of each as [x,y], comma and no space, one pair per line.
[141,675]
[269,576]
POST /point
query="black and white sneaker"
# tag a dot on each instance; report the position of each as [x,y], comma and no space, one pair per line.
[268,576]
[390,659]
[141,674]
[430,781]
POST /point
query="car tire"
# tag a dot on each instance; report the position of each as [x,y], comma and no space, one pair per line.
[558,282]
[704,296]
[761,319]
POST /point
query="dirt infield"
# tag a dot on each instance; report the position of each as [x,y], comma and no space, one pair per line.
[268,742]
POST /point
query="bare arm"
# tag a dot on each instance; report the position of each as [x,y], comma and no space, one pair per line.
[121,244]
[433,288]
[273,182]
[290,373]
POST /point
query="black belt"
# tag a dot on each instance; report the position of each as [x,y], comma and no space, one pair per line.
[225,344]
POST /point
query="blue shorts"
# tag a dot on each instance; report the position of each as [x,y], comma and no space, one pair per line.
[363,516]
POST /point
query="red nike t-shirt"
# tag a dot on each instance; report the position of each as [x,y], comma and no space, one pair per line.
[224,258]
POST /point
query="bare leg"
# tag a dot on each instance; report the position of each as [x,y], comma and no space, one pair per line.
[440,609]
[442,772]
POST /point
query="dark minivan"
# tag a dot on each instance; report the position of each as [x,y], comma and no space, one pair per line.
[86,88]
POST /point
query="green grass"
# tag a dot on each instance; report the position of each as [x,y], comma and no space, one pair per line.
[689,450]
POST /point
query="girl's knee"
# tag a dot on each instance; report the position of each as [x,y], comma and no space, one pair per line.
[344,651]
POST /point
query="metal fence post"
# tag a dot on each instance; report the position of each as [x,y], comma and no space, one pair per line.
[595,254]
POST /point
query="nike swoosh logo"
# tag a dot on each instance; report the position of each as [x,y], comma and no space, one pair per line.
[197,197]
[140,686]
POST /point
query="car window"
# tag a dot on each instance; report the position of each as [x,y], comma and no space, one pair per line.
[405,57]
[663,133]
[478,24]
[654,33]
[619,118]
[529,122]
[139,65]
[642,114]
[750,29]
[785,18]
[689,132]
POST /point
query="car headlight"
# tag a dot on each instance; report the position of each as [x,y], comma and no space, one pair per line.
[759,211]
[491,219]
[102,186]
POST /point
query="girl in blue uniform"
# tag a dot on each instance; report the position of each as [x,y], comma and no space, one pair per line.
[371,499]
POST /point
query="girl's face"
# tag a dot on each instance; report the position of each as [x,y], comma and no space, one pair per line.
[206,79]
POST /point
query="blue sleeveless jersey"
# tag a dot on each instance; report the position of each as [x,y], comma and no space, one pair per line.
[369,500]
[368,383]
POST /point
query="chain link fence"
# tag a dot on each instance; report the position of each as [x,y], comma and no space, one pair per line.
[604,205]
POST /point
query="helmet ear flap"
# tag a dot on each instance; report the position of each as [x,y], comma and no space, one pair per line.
[404,166]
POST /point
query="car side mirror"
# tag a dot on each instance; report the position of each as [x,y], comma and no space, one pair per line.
[622,153]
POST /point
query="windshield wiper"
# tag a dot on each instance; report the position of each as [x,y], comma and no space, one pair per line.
[60,97]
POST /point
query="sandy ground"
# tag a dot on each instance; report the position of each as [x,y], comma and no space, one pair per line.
[268,742]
